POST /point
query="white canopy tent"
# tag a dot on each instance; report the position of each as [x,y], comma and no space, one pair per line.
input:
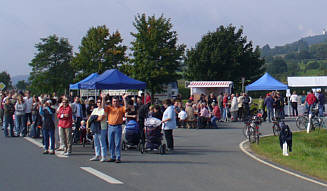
[207,87]
[307,81]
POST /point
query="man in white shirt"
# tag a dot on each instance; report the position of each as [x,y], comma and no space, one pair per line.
[294,100]
[28,111]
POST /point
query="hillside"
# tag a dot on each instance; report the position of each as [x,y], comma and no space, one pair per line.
[300,45]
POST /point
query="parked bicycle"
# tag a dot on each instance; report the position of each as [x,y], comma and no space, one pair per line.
[251,129]
[303,120]
[276,127]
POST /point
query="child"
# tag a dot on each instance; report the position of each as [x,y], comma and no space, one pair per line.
[182,115]
[83,131]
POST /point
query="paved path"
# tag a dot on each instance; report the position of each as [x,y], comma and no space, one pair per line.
[206,159]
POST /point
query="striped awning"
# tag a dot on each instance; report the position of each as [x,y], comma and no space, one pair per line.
[210,84]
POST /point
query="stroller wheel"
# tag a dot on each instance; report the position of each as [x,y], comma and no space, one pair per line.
[164,149]
[141,148]
[124,146]
[161,149]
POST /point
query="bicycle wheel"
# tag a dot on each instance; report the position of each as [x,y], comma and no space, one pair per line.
[301,122]
[315,123]
[252,135]
[257,136]
[276,129]
[245,131]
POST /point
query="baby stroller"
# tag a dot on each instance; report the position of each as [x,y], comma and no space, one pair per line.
[153,136]
[131,135]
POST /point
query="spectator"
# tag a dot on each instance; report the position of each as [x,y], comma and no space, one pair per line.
[269,104]
[321,103]
[246,106]
[115,121]
[65,116]
[310,100]
[77,117]
[20,117]
[215,115]
[220,104]
[294,99]
[204,115]
[169,123]
[99,133]
[28,110]
[240,99]
[182,115]
[190,115]
[234,108]
[9,111]
[48,127]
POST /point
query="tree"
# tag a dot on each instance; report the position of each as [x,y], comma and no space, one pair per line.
[277,66]
[156,54]
[21,85]
[5,78]
[51,69]
[224,55]
[98,52]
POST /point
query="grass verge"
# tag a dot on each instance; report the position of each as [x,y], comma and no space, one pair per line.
[309,154]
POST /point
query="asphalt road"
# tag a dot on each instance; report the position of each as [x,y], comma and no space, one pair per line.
[206,159]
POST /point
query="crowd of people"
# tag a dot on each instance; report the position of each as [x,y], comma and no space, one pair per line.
[71,116]
[53,116]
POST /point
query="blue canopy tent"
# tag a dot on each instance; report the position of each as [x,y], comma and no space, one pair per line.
[114,80]
[266,82]
[77,86]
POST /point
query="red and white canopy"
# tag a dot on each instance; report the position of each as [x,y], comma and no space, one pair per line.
[210,84]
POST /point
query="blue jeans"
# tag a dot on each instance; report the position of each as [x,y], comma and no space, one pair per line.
[321,110]
[214,120]
[48,136]
[114,139]
[20,124]
[100,144]
[270,114]
[8,121]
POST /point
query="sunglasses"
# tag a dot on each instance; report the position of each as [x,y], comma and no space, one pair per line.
[98,102]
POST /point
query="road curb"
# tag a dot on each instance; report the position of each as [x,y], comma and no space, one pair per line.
[241,145]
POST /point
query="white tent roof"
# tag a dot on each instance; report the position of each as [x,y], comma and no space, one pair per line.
[210,84]
[307,81]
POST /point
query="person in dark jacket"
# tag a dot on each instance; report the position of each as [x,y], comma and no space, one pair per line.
[321,102]
[269,102]
[9,111]
[285,136]
[48,127]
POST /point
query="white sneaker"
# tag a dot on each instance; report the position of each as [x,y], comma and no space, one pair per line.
[66,154]
[95,158]
[103,159]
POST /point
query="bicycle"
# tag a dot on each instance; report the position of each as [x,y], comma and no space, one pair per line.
[251,129]
[276,127]
[321,123]
[303,121]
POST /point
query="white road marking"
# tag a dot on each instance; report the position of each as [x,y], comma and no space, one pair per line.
[278,168]
[35,142]
[101,175]
[39,144]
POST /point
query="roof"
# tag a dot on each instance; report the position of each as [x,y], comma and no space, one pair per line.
[266,82]
[307,81]
[113,80]
[77,85]
[210,84]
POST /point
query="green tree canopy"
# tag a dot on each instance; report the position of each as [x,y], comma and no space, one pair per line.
[21,85]
[5,78]
[157,55]
[51,69]
[277,66]
[98,52]
[224,55]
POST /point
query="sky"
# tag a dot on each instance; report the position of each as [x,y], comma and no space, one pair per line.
[23,23]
